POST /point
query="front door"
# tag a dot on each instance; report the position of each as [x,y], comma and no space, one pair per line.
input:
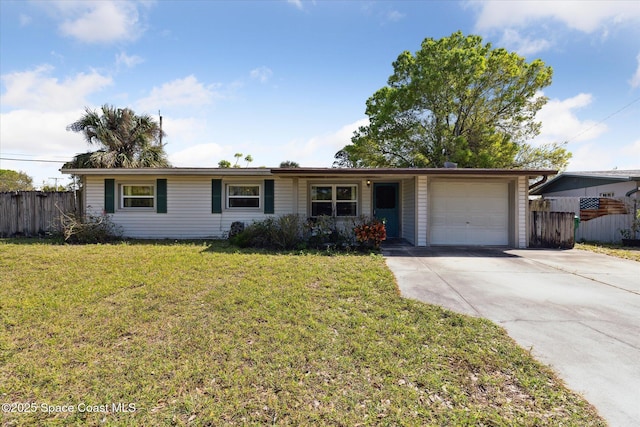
[385,207]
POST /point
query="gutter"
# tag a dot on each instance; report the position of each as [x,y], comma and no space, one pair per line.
[538,183]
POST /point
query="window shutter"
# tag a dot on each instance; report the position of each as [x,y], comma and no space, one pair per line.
[109,195]
[216,196]
[161,195]
[268,196]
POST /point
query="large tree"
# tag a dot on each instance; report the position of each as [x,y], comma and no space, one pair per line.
[456,100]
[124,140]
[11,180]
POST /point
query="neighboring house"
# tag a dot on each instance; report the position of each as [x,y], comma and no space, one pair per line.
[614,183]
[422,206]
[605,201]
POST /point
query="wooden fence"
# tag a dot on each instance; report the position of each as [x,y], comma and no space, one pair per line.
[32,213]
[601,218]
[552,230]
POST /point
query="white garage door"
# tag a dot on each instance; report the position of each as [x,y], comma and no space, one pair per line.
[469,213]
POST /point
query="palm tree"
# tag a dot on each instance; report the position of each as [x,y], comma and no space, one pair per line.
[125,140]
[248,159]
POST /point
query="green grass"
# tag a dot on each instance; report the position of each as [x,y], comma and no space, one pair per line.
[632,253]
[198,333]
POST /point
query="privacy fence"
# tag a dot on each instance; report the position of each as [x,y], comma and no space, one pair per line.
[601,219]
[33,213]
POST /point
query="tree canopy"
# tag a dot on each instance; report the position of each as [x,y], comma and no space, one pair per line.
[11,180]
[456,100]
[124,140]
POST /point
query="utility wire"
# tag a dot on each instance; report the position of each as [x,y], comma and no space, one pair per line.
[32,160]
[604,120]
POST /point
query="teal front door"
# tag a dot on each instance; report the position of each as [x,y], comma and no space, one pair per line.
[385,207]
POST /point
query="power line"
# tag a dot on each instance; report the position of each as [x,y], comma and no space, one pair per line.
[32,155]
[604,120]
[32,160]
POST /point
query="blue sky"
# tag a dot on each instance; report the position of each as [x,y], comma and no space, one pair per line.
[288,80]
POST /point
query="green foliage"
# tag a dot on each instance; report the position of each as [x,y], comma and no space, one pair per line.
[125,140]
[11,180]
[324,232]
[289,164]
[283,233]
[224,164]
[455,100]
[547,156]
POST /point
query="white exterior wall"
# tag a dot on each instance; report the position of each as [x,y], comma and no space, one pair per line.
[619,189]
[408,214]
[522,217]
[188,206]
[421,210]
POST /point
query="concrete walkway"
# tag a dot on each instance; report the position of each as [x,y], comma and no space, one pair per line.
[577,311]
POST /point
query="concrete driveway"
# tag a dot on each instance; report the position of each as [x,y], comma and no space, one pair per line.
[577,311]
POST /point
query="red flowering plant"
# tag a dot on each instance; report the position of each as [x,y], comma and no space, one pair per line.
[370,233]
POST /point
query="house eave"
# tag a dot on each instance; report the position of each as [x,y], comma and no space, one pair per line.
[373,172]
[169,171]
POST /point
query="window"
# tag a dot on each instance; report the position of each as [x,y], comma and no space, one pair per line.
[137,196]
[334,200]
[243,196]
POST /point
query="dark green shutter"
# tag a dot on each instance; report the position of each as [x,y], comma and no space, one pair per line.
[268,196]
[216,196]
[109,195]
[161,195]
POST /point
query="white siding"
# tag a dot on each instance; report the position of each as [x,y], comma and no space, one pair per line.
[188,207]
[421,220]
[522,203]
[408,202]
[619,189]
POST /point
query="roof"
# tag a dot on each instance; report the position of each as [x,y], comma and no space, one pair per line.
[575,180]
[169,171]
[315,172]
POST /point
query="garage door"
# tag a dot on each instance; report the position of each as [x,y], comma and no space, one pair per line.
[469,213]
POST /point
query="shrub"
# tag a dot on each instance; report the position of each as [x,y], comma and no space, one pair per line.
[323,232]
[370,233]
[284,232]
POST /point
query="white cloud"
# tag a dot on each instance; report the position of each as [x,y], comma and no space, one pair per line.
[186,92]
[38,90]
[99,21]
[296,3]
[262,74]
[319,150]
[200,155]
[128,61]
[587,16]
[37,135]
[560,123]
[635,79]
[394,16]
[525,46]
[25,20]
[632,154]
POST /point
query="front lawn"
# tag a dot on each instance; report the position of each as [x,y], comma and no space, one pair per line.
[198,333]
